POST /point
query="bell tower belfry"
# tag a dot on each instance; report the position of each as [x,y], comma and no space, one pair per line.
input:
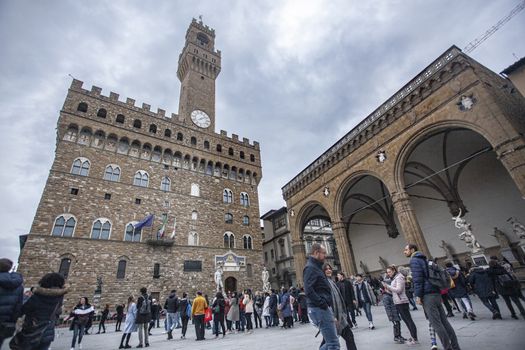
[199,66]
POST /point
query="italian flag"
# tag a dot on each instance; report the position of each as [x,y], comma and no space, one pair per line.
[162,229]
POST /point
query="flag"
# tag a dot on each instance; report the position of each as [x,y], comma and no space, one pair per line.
[162,228]
[146,222]
[174,226]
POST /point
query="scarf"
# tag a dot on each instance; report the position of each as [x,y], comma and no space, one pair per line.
[339,307]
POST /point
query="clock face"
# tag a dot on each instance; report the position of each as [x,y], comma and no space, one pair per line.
[200,118]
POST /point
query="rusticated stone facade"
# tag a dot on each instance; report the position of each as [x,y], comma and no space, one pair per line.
[196,179]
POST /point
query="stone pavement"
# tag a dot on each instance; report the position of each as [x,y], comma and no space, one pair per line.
[484,333]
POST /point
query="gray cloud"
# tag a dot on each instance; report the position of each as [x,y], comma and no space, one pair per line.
[296,75]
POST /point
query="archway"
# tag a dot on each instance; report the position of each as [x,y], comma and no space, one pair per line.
[230,284]
[451,170]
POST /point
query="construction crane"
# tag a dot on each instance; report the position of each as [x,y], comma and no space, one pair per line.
[476,42]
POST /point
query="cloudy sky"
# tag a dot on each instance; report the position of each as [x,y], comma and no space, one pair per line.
[296,74]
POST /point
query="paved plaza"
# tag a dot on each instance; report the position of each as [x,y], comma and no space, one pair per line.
[507,334]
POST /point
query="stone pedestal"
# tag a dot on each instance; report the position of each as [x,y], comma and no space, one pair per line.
[479,259]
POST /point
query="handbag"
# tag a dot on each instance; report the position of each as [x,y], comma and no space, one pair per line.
[207,315]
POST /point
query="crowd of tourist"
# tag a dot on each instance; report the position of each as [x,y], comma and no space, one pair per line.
[331,303]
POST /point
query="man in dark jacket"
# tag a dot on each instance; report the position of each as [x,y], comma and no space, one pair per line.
[143,316]
[347,291]
[11,298]
[319,297]
[273,309]
[429,296]
[172,307]
[483,286]
[507,286]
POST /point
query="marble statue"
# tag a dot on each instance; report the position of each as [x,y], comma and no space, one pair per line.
[467,235]
[266,280]
[218,277]
[383,263]
[447,250]
[518,228]
[503,241]
[363,267]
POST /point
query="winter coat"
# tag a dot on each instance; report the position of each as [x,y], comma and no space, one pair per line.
[495,273]
[120,312]
[266,307]
[45,305]
[460,284]
[481,282]
[419,268]
[248,303]
[347,291]
[390,308]
[172,304]
[397,287]
[155,311]
[182,306]
[221,304]
[364,293]
[273,304]
[233,313]
[146,317]
[81,315]
[286,308]
[316,285]
[129,325]
[11,296]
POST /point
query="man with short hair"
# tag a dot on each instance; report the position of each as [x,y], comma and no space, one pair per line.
[429,296]
[143,316]
[365,298]
[11,298]
[347,291]
[198,309]
[172,306]
[319,297]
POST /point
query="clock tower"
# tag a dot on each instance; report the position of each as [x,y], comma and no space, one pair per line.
[199,66]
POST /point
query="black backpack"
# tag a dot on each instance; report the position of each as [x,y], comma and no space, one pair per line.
[437,276]
[506,281]
[145,308]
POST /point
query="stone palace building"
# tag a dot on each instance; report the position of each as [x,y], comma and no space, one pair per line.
[116,163]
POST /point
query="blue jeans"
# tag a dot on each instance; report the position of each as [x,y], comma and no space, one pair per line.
[368,311]
[325,321]
[177,320]
[78,331]
[172,320]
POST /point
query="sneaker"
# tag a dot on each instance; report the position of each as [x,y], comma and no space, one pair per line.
[398,340]
[80,346]
[434,347]
[472,316]
[465,316]
[371,325]
[514,317]
[412,342]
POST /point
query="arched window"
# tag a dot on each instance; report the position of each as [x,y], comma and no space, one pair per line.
[153,129]
[64,226]
[167,133]
[193,141]
[137,124]
[82,107]
[101,229]
[120,119]
[230,151]
[195,190]
[102,113]
[229,240]
[227,196]
[65,264]
[219,148]
[180,137]
[241,154]
[247,242]
[132,234]
[141,179]
[193,238]
[194,215]
[121,269]
[206,145]
[80,167]
[252,158]
[245,220]
[165,184]
[245,200]
[228,218]
[112,173]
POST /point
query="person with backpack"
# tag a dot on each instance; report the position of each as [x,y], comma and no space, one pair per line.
[172,307]
[458,291]
[217,308]
[482,284]
[427,290]
[507,286]
[184,310]
[143,316]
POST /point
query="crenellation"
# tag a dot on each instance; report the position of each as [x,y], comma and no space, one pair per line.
[113,96]
[95,90]
[130,101]
[161,112]
[76,84]
[235,137]
[224,133]
[256,145]
[146,107]
[246,141]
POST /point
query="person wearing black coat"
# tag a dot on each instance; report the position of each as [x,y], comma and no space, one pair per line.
[120,315]
[347,291]
[82,315]
[507,286]
[103,318]
[483,286]
[41,312]
[217,308]
[11,298]
[273,308]
[459,291]
[143,317]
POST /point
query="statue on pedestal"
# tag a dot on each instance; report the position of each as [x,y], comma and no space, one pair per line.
[218,277]
[447,250]
[383,263]
[467,235]
[266,280]
[503,241]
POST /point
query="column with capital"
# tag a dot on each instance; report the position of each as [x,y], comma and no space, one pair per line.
[346,257]
[408,221]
